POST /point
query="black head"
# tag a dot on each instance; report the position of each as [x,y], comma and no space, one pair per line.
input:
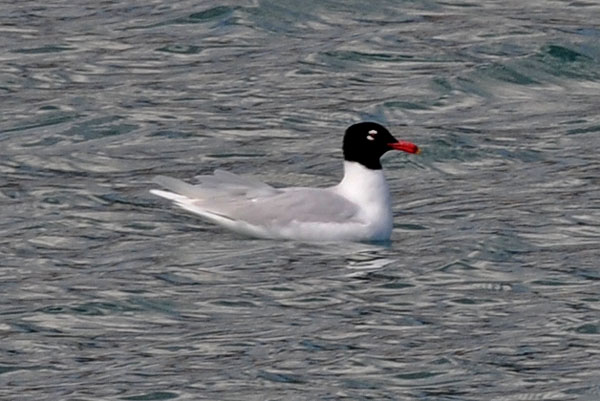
[366,142]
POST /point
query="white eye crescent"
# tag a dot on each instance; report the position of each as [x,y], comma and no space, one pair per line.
[373,132]
[370,138]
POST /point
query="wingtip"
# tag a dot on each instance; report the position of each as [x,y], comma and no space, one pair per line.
[168,195]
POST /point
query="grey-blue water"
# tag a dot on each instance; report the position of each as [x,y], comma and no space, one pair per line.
[488,290]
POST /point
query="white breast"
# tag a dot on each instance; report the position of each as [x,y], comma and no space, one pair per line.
[369,190]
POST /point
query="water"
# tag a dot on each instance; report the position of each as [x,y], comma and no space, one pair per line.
[489,289]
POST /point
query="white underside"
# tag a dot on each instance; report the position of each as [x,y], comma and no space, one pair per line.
[357,209]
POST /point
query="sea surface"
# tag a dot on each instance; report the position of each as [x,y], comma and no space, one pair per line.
[488,290]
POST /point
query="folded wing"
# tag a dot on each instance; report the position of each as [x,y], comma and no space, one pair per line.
[226,196]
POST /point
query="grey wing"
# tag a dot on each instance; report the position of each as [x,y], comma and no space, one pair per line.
[221,184]
[303,205]
[247,199]
[226,181]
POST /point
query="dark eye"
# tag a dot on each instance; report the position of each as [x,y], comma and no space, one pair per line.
[371,135]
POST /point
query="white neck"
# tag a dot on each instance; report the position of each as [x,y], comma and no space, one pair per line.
[369,191]
[364,186]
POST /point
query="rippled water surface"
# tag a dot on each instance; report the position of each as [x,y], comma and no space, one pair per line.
[489,289]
